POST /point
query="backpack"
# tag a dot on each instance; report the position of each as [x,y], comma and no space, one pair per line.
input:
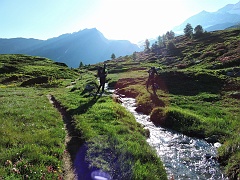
[101,72]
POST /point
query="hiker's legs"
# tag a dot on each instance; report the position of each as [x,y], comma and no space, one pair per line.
[153,86]
[99,88]
[103,86]
[102,83]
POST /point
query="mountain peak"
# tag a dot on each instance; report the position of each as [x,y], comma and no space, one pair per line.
[88,30]
[203,12]
[91,31]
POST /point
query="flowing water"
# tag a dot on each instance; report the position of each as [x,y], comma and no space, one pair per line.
[183,157]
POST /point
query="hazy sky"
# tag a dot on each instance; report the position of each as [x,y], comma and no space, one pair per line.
[133,20]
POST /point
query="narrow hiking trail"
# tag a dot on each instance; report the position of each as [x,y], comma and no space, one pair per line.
[75,166]
[72,142]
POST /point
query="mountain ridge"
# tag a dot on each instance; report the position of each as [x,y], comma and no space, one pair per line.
[211,21]
[88,46]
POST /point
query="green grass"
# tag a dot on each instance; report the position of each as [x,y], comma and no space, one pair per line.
[116,142]
[32,135]
[16,69]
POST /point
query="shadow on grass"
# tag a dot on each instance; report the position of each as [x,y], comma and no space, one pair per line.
[190,85]
[76,148]
[75,165]
[83,108]
[73,140]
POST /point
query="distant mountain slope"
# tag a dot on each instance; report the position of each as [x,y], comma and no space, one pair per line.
[88,46]
[17,45]
[220,26]
[231,8]
[225,17]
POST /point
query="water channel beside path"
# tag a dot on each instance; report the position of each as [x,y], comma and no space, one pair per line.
[184,157]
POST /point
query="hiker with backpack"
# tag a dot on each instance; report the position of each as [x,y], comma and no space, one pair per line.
[102,74]
[151,78]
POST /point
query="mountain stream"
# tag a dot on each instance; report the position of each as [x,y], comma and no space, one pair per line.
[183,157]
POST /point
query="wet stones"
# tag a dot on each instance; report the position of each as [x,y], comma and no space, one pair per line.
[117,98]
[217,145]
[147,132]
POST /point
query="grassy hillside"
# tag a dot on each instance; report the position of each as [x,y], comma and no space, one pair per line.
[98,133]
[199,82]
[22,70]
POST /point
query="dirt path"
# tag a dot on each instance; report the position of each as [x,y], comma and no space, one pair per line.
[72,140]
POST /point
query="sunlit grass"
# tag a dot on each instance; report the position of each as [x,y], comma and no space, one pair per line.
[116,142]
[32,135]
[195,101]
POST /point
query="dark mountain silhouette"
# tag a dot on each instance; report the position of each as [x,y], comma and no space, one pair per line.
[88,46]
[225,17]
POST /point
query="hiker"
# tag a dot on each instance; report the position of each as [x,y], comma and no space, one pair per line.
[151,78]
[102,74]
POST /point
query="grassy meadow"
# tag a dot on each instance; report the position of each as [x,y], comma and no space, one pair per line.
[32,142]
